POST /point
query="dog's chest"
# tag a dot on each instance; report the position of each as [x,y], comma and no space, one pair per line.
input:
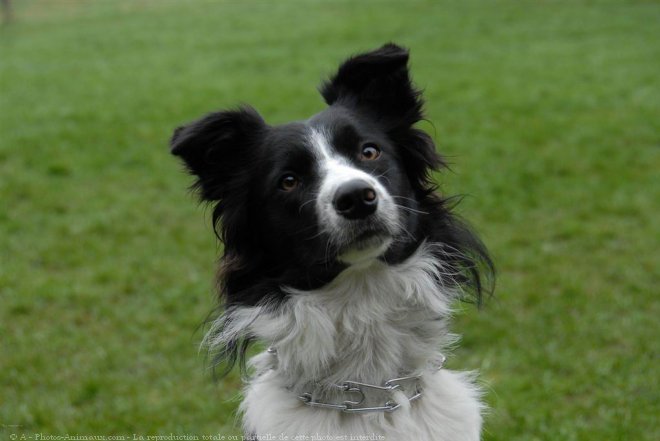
[370,325]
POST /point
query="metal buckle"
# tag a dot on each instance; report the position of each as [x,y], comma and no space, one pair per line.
[373,396]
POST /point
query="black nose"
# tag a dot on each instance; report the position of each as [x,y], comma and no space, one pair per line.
[355,199]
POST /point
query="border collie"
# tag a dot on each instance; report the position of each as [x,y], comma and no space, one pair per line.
[341,257]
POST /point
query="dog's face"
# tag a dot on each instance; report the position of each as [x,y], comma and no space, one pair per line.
[300,202]
[330,188]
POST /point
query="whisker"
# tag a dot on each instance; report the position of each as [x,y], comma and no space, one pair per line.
[412,210]
[314,236]
[403,197]
[326,254]
[382,175]
[305,203]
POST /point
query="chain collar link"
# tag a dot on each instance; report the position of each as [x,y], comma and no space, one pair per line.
[358,397]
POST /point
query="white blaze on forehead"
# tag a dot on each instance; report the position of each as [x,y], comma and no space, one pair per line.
[320,144]
[335,169]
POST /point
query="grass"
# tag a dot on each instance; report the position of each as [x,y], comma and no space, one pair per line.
[549,111]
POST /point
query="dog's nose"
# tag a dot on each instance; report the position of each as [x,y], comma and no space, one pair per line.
[355,199]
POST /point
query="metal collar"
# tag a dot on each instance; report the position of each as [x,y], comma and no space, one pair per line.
[358,397]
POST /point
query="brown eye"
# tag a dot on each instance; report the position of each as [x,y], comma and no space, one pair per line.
[289,182]
[370,152]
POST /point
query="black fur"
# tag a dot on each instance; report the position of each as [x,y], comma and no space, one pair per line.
[272,238]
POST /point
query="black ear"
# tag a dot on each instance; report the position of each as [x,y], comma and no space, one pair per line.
[218,147]
[378,81]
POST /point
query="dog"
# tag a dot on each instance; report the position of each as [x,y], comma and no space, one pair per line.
[343,259]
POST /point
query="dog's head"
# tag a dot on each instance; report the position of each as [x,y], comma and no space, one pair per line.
[296,204]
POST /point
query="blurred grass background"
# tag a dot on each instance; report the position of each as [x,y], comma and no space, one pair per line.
[548,110]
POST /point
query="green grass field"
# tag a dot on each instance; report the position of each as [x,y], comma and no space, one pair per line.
[549,112]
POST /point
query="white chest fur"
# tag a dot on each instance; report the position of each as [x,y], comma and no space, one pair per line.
[371,324]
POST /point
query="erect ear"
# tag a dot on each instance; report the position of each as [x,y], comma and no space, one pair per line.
[377,81]
[218,147]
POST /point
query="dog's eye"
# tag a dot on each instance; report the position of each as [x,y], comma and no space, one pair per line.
[369,152]
[289,182]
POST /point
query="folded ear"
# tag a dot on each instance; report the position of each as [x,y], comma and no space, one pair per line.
[218,148]
[377,81]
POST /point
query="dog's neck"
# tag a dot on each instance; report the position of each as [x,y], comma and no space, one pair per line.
[372,323]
